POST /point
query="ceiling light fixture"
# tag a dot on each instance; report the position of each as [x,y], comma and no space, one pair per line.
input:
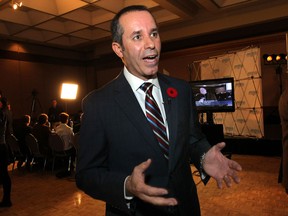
[16,5]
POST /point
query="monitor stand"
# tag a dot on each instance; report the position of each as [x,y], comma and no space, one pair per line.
[209,118]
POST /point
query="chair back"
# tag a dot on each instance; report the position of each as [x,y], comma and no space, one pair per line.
[13,144]
[32,144]
[76,141]
[14,148]
[56,143]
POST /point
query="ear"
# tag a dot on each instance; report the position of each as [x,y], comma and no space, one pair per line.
[117,49]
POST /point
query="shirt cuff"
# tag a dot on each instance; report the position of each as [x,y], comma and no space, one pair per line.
[125,195]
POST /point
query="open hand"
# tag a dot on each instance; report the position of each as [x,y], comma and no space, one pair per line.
[136,186]
[220,167]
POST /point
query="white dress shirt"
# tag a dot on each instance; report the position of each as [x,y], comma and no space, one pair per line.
[135,84]
[66,133]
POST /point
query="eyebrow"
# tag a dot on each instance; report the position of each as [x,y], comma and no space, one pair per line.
[155,29]
[138,32]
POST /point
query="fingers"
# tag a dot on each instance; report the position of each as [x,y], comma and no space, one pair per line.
[234,165]
[227,181]
[155,195]
[136,186]
[232,173]
[159,201]
[219,183]
[152,191]
[235,177]
[234,168]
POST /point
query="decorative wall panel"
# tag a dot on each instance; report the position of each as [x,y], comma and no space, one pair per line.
[244,65]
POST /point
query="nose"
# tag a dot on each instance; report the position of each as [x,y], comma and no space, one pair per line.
[149,43]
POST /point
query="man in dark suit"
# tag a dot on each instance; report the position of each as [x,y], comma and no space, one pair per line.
[120,160]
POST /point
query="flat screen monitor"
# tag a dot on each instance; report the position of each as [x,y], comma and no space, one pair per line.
[214,95]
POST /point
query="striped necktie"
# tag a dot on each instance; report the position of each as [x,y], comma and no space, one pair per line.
[155,118]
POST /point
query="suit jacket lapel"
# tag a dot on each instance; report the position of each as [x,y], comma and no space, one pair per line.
[126,99]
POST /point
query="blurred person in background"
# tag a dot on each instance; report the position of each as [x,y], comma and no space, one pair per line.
[4,156]
[53,113]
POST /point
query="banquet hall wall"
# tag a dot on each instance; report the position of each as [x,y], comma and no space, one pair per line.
[26,68]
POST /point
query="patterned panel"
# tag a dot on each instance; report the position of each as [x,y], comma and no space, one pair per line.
[244,66]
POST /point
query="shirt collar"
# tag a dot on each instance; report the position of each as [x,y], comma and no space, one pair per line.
[136,82]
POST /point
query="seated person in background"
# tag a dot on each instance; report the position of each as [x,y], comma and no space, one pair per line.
[41,131]
[9,126]
[24,129]
[66,133]
[4,157]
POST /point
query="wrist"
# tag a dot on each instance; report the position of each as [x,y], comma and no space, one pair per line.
[203,174]
[202,161]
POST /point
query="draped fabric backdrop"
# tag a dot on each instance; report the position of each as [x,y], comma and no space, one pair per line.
[244,65]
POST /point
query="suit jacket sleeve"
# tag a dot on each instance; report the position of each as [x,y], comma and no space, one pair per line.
[198,142]
[92,172]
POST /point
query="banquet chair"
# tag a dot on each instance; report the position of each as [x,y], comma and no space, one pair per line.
[14,147]
[33,146]
[76,145]
[56,143]
[76,141]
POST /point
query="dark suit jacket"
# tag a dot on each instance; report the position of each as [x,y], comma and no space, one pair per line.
[116,136]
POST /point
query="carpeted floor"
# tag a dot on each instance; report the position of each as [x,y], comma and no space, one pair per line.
[258,194]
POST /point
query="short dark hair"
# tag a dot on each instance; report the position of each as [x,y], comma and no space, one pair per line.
[63,117]
[26,119]
[42,119]
[116,29]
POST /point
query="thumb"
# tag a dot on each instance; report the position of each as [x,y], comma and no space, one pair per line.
[143,166]
[220,146]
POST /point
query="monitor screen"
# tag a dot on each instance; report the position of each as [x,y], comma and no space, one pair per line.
[215,95]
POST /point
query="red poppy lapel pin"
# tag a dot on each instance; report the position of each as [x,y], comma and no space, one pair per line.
[172,92]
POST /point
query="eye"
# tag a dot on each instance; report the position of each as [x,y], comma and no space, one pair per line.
[137,37]
[154,34]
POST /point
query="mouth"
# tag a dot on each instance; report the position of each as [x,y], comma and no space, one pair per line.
[150,58]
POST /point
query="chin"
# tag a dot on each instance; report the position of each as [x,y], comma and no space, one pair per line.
[152,73]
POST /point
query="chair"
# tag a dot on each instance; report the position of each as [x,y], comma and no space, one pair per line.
[14,147]
[57,145]
[33,146]
[76,142]
[76,145]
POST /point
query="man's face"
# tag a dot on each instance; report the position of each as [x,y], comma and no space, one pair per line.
[141,44]
[203,91]
[54,103]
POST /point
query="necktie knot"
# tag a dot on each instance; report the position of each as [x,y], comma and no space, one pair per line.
[147,87]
